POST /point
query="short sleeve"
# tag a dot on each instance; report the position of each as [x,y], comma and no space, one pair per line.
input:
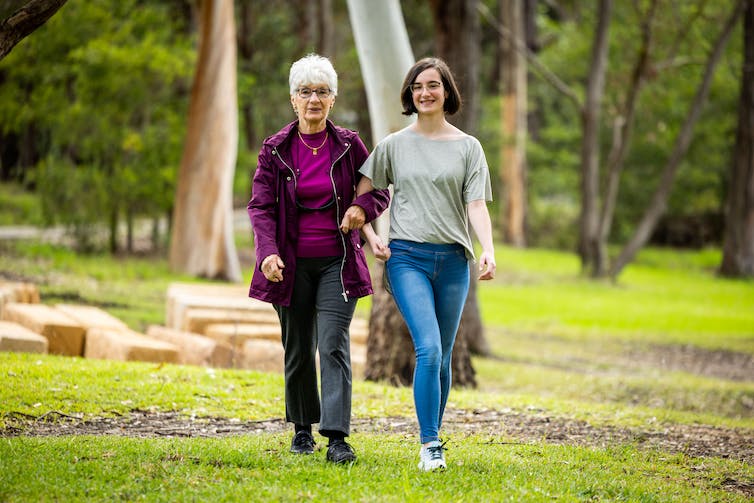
[477,184]
[378,166]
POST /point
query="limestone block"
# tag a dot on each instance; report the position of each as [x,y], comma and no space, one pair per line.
[183,296]
[22,291]
[127,345]
[14,291]
[195,349]
[236,334]
[196,319]
[263,355]
[6,296]
[64,334]
[91,317]
[14,337]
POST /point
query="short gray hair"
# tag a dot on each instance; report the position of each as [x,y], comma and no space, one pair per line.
[312,69]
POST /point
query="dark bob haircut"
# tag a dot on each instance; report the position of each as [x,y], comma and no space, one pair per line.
[453,100]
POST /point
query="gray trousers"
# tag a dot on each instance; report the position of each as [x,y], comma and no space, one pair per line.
[318,317]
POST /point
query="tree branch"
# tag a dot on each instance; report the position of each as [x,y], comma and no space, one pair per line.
[658,203]
[24,21]
[532,59]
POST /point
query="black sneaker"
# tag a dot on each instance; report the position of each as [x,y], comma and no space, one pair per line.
[340,452]
[303,443]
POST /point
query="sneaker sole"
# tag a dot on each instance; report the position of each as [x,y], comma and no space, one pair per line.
[424,468]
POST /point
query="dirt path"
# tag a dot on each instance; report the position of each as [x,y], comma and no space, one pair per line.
[500,426]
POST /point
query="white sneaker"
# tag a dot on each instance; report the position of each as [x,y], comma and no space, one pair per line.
[431,457]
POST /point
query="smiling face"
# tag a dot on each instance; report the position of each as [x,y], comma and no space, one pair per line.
[312,103]
[428,93]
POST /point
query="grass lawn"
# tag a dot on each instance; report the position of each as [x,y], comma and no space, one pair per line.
[668,345]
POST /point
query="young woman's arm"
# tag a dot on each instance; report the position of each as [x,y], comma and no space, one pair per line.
[379,249]
[479,217]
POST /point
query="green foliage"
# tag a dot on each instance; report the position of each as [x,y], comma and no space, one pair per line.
[109,99]
[102,89]
[18,206]
[677,56]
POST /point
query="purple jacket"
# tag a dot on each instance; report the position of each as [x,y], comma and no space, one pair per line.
[274,216]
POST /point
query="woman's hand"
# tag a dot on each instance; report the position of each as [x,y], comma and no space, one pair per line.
[353,218]
[272,268]
[487,266]
[380,250]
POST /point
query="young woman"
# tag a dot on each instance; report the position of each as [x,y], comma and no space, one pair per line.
[441,182]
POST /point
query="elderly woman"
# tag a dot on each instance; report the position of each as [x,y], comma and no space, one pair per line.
[303,192]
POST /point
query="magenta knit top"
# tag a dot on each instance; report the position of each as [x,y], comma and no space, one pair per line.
[318,229]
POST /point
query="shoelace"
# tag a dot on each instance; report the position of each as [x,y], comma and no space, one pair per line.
[435,452]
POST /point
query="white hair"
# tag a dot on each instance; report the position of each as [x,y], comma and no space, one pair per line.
[313,69]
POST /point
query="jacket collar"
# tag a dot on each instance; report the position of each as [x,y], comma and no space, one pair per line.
[285,135]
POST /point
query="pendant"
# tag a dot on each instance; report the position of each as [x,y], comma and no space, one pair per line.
[314,151]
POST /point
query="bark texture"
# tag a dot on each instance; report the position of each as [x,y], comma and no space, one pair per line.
[514,124]
[30,16]
[738,244]
[202,239]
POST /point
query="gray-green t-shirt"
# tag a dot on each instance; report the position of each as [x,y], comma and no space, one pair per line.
[433,180]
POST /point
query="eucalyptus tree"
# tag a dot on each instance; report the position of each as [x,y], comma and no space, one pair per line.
[513,120]
[202,241]
[385,55]
[614,94]
[658,202]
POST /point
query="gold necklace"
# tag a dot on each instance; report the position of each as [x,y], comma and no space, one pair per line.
[313,149]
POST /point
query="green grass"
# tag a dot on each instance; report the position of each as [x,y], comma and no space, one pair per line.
[666,297]
[564,347]
[258,468]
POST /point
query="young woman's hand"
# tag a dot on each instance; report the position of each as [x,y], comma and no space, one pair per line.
[380,250]
[487,266]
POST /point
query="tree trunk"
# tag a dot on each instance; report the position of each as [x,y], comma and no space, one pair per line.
[30,16]
[659,199]
[325,29]
[202,240]
[246,53]
[458,42]
[385,56]
[590,125]
[514,125]
[389,347]
[738,242]
[621,139]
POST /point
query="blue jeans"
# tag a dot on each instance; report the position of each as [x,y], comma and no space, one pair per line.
[429,283]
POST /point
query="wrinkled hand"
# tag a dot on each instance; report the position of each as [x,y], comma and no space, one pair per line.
[380,250]
[272,268]
[354,218]
[487,266]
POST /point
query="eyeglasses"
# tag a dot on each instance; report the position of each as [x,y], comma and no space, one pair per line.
[416,87]
[306,93]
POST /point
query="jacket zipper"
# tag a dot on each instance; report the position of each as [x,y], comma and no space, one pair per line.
[337,224]
[337,210]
